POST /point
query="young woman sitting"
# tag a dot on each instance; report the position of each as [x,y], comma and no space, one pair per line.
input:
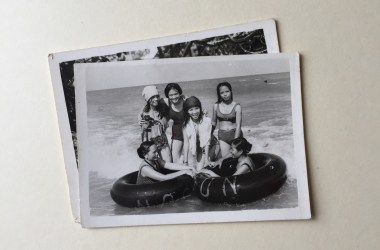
[151,167]
[240,149]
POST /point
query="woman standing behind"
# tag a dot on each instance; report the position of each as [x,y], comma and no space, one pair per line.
[229,115]
[175,100]
[153,122]
[196,134]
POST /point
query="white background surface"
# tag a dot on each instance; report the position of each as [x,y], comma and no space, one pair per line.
[340,61]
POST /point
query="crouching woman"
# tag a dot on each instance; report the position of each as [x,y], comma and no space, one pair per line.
[196,134]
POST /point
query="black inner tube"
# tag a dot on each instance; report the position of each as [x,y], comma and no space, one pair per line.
[267,178]
[125,192]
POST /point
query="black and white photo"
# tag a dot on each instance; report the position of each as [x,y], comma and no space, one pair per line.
[191,140]
[250,38]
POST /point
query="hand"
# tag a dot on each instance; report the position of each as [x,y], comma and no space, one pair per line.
[190,172]
[142,122]
[212,164]
[205,112]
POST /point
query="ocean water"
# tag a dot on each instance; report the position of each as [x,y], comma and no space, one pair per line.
[114,136]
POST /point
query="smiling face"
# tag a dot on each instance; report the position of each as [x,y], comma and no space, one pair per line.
[234,152]
[152,154]
[225,93]
[194,113]
[154,100]
[174,96]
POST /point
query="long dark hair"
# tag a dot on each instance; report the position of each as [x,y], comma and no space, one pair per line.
[162,108]
[171,86]
[226,84]
[144,148]
[242,144]
[176,87]
[191,102]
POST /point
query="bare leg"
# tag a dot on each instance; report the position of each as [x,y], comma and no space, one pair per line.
[200,162]
[165,154]
[176,150]
[192,160]
[224,148]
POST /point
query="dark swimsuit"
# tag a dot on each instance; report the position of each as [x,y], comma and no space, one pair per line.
[250,166]
[178,119]
[227,135]
[231,117]
[157,166]
[229,167]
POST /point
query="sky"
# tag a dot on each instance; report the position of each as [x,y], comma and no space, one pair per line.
[143,72]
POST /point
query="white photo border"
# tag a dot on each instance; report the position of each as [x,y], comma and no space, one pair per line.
[70,160]
[226,67]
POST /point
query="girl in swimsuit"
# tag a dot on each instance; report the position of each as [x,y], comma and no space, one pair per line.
[196,134]
[150,169]
[153,122]
[229,115]
[175,100]
[240,149]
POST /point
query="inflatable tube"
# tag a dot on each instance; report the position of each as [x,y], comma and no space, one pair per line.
[267,178]
[126,193]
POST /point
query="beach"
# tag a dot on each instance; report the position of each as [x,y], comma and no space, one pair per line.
[114,136]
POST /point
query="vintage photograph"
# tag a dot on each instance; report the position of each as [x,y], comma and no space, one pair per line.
[250,38]
[191,140]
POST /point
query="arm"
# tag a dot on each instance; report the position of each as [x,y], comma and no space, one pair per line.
[242,169]
[209,172]
[238,121]
[165,123]
[148,171]
[185,147]
[213,118]
[207,149]
[139,116]
[140,120]
[169,121]
[175,166]
[218,162]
